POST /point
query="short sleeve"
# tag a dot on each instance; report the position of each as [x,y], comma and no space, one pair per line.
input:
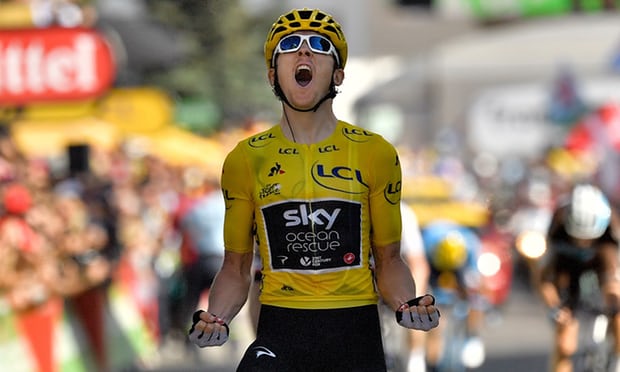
[385,193]
[237,182]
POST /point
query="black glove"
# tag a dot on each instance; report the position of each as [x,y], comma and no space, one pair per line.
[202,339]
[414,320]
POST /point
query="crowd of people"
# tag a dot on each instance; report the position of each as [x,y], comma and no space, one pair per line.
[99,237]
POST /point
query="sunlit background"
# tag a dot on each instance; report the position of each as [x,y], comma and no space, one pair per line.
[496,107]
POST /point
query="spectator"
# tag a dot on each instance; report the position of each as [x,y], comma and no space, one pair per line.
[26,277]
[199,219]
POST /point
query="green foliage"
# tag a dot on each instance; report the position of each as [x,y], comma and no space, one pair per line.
[225,60]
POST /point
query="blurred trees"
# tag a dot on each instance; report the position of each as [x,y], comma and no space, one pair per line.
[224,63]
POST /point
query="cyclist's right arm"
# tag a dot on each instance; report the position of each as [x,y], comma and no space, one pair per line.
[544,279]
[545,274]
[550,294]
[226,298]
[231,285]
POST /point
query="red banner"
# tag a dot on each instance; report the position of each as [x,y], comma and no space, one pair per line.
[52,64]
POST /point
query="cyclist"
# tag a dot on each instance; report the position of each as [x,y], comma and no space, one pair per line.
[320,196]
[580,239]
[452,252]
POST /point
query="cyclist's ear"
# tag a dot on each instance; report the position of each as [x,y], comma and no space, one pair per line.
[338,76]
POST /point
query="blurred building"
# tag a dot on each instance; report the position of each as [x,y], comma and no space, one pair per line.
[484,68]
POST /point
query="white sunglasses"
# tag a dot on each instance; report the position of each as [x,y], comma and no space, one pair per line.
[316,43]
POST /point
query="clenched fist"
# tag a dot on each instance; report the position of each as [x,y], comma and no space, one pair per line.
[208,330]
[419,313]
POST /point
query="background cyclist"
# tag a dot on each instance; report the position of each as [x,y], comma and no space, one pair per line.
[452,252]
[580,239]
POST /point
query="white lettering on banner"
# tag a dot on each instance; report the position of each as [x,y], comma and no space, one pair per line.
[30,68]
[510,120]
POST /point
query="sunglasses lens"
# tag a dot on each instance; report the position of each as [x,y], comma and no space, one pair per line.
[320,44]
[290,43]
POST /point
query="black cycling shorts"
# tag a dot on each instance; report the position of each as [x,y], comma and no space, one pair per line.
[316,340]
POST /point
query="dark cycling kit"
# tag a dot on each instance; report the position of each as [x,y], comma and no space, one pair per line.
[565,262]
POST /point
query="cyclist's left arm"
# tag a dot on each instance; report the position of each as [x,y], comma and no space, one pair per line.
[393,276]
[397,288]
[609,275]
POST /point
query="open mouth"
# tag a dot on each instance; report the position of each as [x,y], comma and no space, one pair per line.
[303,75]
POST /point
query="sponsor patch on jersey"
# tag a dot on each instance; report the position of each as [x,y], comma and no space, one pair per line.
[261,140]
[270,189]
[313,235]
[339,178]
[276,169]
[288,151]
[328,148]
[391,192]
[356,134]
[227,198]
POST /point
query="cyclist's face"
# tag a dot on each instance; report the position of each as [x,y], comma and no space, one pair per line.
[305,75]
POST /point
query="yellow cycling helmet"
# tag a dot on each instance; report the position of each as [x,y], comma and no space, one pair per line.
[450,253]
[306,20]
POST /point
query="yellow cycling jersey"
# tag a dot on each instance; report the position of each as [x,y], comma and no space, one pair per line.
[315,211]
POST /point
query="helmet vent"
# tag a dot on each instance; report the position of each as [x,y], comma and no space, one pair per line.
[276,31]
[305,14]
[332,29]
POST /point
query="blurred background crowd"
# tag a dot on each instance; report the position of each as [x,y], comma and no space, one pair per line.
[115,117]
